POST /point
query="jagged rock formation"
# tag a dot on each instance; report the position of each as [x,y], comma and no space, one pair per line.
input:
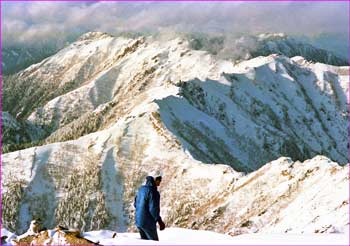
[113,109]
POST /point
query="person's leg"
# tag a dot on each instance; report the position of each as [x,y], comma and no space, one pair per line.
[151,234]
[142,234]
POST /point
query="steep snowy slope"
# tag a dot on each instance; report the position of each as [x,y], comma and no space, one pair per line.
[268,106]
[61,73]
[142,65]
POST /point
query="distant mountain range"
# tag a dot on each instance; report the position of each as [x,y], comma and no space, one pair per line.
[18,57]
[325,48]
[251,46]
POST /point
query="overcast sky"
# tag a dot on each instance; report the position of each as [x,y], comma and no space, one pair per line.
[31,21]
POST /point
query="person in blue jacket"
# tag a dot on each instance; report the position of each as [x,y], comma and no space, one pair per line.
[147,208]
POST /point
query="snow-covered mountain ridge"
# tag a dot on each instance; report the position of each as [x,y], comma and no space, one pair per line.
[116,108]
[289,46]
[291,108]
[250,46]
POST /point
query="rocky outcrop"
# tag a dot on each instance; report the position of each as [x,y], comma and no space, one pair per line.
[57,236]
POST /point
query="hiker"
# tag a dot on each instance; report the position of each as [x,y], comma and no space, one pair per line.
[147,208]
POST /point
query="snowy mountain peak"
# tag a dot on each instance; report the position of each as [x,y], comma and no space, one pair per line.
[271,36]
[94,36]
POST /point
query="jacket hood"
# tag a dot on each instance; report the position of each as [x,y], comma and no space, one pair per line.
[150,181]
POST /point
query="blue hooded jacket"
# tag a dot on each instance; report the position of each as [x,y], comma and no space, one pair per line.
[147,205]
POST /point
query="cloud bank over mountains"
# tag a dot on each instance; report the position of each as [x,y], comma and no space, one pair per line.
[30,22]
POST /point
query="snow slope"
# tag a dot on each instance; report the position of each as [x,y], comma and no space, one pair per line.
[179,236]
[268,102]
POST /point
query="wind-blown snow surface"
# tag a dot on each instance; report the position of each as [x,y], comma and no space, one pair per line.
[139,105]
[174,236]
[179,236]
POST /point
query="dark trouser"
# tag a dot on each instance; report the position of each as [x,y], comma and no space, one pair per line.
[148,234]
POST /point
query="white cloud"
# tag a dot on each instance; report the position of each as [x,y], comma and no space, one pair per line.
[26,22]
